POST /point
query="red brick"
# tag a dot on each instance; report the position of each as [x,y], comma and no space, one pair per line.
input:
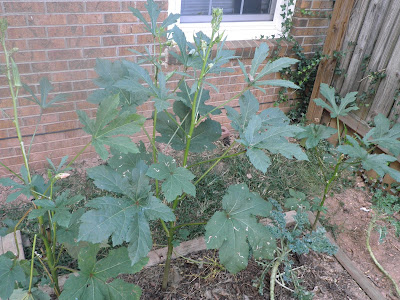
[85,19]
[103,6]
[118,40]
[68,76]
[65,54]
[65,7]
[101,29]
[66,116]
[61,126]
[65,31]
[131,28]
[81,64]
[49,66]
[99,52]
[83,42]
[40,20]
[318,23]
[125,51]
[26,33]
[28,56]
[46,118]
[20,44]
[120,18]
[21,7]
[145,39]
[83,85]
[46,44]
[18,20]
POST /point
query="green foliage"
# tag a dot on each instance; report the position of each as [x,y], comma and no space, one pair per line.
[346,104]
[11,272]
[314,133]
[230,229]
[93,279]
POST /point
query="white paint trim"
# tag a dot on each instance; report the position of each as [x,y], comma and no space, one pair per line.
[233,30]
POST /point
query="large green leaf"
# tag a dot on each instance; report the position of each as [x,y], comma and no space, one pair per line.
[45,89]
[186,95]
[377,162]
[125,219]
[93,281]
[109,123]
[383,135]
[35,294]
[346,104]
[10,273]
[123,163]
[177,180]
[314,133]
[235,228]
[276,66]
[203,137]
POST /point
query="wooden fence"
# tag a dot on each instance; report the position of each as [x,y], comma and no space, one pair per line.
[369,60]
[363,42]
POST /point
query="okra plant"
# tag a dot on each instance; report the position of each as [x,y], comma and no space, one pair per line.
[351,152]
[142,185]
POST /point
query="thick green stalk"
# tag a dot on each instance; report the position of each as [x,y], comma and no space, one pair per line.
[326,190]
[195,98]
[371,253]
[167,265]
[32,260]
[272,280]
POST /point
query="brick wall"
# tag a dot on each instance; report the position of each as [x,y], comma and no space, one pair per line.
[60,40]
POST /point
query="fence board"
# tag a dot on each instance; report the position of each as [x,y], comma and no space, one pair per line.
[369,32]
[381,54]
[355,24]
[385,95]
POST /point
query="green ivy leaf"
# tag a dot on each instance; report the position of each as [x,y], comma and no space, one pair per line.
[314,133]
[177,180]
[93,280]
[235,228]
[10,273]
[383,135]
[346,103]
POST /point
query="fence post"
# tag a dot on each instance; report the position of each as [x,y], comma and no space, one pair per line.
[334,39]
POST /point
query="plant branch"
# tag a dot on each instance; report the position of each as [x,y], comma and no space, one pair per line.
[11,171]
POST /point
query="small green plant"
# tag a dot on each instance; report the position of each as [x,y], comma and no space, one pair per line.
[384,208]
[292,240]
[351,153]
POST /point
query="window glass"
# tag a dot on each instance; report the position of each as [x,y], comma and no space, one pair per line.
[234,10]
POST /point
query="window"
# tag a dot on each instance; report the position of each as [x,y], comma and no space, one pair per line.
[243,19]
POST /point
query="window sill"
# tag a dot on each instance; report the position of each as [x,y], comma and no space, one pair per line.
[246,49]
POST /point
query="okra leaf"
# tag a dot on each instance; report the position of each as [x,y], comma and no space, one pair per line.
[107,179]
[383,135]
[186,96]
[124,162]
[296,201]
[314,133]
[346,105]
[235,228]
[203,137]
[20,189]
[94,278]
[260,55]
[34,294]
[177,180]
[109,123]
[259,159]
[10,273]
[124,219]
[276,66]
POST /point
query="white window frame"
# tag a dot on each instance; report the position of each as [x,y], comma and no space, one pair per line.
[234,31]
